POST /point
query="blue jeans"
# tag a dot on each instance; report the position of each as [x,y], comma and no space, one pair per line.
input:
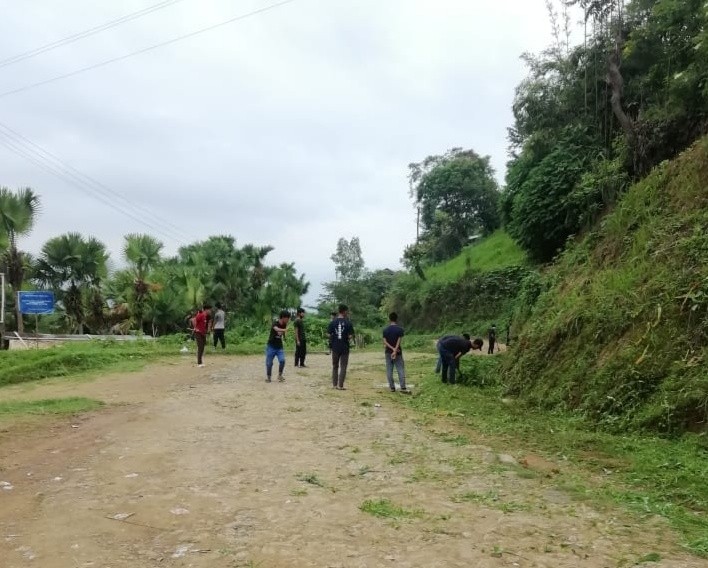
[449,366]
[271,353]
[400,370]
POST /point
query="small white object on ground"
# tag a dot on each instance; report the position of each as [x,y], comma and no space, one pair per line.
[179,511]
[6,486]
[131,475]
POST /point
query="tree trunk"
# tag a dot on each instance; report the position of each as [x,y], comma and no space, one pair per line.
[616,82]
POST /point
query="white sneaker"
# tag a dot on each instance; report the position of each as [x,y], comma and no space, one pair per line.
[201,365]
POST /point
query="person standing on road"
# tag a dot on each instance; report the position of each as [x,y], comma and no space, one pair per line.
[492,337]
[341,332]
[218,326]
[201,323]
[451,349]
[274,348]
[393,352]
[300,338]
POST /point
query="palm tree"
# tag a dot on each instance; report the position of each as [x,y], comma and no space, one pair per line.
[142,252]
[17,215]
[73,266]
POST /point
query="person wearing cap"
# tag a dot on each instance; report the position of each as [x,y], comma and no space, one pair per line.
[451,348]
[300,338]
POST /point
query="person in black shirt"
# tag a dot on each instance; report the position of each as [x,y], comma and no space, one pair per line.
[451,349]
[340,332]
[274,348]
[300,339]
[492,337]
[392,335]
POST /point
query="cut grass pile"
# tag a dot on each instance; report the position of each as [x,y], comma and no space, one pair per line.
[385,509]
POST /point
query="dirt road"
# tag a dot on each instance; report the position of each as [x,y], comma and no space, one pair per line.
[215,468]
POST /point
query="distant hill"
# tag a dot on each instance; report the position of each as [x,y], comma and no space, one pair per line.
[617,329]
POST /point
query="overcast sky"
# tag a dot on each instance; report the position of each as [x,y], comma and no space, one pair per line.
[290,128]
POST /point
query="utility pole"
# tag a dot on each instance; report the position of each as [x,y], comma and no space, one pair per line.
[2,310]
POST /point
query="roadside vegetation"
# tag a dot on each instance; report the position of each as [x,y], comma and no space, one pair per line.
[646,474]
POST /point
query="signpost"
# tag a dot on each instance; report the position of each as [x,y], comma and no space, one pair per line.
[37,303]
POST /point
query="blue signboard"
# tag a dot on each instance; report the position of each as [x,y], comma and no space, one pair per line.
[36,302]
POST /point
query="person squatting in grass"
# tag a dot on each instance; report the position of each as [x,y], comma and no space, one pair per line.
[451,348]
[341,332]
[300,338]
[218,326]
[274,348]
[201,322]
[393,352]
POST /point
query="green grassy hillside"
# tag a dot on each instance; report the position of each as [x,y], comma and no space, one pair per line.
[492,253]
[468,292]
[619,331]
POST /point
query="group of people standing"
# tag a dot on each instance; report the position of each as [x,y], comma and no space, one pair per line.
[340,332]
[205,321]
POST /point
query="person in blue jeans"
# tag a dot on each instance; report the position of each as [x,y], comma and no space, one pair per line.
[274,348]
[451,349]
[393,352]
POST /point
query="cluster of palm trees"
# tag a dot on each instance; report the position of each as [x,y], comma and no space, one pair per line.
[151,293]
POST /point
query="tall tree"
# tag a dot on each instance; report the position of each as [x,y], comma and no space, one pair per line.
[18,211]
[348,261]
[457,197]
[143,255]
[74,267]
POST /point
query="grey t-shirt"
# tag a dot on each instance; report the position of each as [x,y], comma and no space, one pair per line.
[219,319]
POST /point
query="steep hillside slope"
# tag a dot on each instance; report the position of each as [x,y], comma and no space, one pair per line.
[469,291]
[620,328]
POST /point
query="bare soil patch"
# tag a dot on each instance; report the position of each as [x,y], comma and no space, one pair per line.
[215,468]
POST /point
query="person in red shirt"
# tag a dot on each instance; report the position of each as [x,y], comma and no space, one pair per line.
[201,321]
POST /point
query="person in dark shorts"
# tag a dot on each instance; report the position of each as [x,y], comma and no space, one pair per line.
[393,352]
[451,349]
[218,326]
[201,323]
[341,332]
[300,338]
[274,348]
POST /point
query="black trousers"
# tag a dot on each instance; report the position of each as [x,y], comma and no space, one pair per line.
[300,353]
[491,346]
[339,368]
[219,337]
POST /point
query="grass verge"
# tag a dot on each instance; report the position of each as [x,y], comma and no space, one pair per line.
[649,475]
[54,406]
[75,358]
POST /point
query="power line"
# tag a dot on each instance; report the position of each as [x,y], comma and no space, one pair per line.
[86,33]
[146,49]
[53,158]
[73,182]
[106,196]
